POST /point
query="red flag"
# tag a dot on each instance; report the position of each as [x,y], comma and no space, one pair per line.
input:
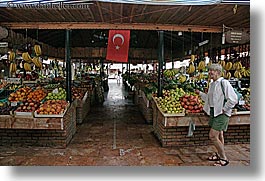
[118,45]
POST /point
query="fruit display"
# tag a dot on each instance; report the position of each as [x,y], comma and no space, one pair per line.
[5,110]
[37,95]
[170,103]
[13,87]
[28,106]
[51,86]
[20,94]
[182,78]
[191,103]
[52,107]
[78,93]
[169,73]
[57,94]
[3,84]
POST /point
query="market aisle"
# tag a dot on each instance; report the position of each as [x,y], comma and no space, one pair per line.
[115,134]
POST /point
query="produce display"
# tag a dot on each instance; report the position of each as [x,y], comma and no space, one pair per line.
[77,93]
[170,102]
[20,94]
[51,107]
[191,103]
[57,94]
[7,110]
[37,95]
[28,106]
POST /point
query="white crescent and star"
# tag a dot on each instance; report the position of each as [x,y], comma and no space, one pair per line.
[118,36]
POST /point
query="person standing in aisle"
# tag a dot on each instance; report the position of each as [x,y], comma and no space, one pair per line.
[119,77]
[219,101]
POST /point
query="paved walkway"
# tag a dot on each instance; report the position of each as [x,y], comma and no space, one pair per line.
[116,134]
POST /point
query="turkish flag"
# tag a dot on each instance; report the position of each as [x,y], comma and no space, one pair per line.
[118,45]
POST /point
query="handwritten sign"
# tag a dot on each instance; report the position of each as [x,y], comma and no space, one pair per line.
[237,37]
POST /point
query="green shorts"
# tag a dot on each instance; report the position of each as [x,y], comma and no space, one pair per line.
[218,123]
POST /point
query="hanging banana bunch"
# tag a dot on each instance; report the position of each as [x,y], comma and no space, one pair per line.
[191,69]
[201,65]
[182,78]
[227,75]
[201,76]
[26,57]
[12,56]
[237,66]
[192,58]
[238,74]
[27,67]
[245,72]
[37,50]
[228,66]
[209,63]
[37,62]
[222,63]
[12,68]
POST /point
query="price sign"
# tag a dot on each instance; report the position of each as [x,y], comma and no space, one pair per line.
[237,37]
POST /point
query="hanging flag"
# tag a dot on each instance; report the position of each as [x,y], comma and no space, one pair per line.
[118,45]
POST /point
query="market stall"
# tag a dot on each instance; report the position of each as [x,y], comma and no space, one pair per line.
[192,128]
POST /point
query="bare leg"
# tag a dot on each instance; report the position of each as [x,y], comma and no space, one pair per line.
[219,145]
[221,137]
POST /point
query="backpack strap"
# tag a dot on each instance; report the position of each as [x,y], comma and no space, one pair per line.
[223,91]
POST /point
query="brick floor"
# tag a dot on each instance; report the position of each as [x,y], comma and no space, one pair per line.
[116,134]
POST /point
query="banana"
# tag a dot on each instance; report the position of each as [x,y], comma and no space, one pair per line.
[201,76]
[38,63]
[27,67]
[11,56]
[209,63]
[37,50]
[12,68]
[228,75]
[238,66]
[228,66]
[222,63]
[237,74]
[182,78]
[26,57]
[191,69]
[192,58]
[201,65]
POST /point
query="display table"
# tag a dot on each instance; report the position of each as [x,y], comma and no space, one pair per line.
[50,131]
[82,108]
[193,129]
[145,107]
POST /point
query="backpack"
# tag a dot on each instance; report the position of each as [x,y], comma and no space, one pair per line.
[239,95]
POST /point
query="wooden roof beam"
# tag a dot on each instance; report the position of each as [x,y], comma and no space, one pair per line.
[132,26]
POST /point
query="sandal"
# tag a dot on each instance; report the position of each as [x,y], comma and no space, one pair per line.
[214,157]
[221,162]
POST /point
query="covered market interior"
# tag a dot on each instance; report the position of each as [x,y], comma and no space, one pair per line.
[61,98]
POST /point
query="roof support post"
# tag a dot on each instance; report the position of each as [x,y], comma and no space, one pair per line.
[68,65]
[161,58]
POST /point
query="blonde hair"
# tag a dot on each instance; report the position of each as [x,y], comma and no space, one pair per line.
[216,66]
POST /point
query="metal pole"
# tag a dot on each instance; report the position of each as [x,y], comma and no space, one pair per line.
[68,66]
[160,62]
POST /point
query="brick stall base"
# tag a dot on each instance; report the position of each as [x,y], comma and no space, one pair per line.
[176,130]
[52,132]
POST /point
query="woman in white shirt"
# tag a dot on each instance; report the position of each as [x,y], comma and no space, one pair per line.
[219,101]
